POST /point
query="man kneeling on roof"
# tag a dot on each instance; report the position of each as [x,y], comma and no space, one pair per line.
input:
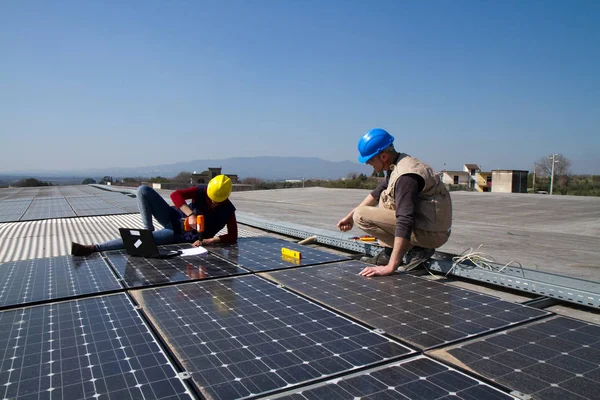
[415,211]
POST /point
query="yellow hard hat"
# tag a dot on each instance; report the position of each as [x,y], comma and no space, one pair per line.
[219,188]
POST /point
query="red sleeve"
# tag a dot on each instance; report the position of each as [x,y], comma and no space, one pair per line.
[179,197]
[232,231]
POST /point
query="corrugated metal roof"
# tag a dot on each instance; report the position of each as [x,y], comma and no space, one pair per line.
[52,237]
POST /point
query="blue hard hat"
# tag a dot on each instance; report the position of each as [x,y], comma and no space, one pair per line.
[372,143]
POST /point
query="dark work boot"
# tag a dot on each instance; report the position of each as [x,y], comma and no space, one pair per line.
[382,258]
[82,250]
[415,257]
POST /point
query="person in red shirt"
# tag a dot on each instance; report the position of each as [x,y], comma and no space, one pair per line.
[212,202]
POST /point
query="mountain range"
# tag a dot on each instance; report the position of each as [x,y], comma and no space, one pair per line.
[267,168]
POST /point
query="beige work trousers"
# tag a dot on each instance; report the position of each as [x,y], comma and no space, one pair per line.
[381,223]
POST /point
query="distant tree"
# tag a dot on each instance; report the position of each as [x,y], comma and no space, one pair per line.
[183,177]
[562,166]
[159,179]
[106,179]
[252,181]
[132,181]
[31,182]
[88,181]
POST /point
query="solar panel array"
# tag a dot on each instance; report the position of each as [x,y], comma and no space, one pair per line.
[417,378]
[419,311]
[31,281]
[91,348]
[245,321]
[28,204]
[264,253]
[245,337]
[557,358]
[142,272]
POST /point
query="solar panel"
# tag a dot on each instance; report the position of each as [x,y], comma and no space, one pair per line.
[243,336]
[29,281]
[86,206]
[48,208]
[416,378]
[93,348]
[140,272]
[264,253]
[557,358]
[12,210]
[420,311]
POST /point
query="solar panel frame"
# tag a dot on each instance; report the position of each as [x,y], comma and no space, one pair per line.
[138,272]
[94,347]
[243,336]
[45,279]
[417,377]
[558,357]
[418,311]
[264,253]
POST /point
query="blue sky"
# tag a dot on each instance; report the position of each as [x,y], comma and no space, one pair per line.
[91,84]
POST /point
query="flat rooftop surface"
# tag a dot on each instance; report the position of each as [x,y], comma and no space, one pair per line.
[559,234]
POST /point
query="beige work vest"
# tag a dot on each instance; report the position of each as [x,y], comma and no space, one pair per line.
[434,207]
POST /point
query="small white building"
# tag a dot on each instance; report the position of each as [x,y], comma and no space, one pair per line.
[473,171]
[509,181]
[455,178]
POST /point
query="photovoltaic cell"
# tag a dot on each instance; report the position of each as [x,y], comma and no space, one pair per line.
[420,311]
[556,358]
[264,253]
[93,348]
[243,336]
[28,281]
[416,378]
[140,272]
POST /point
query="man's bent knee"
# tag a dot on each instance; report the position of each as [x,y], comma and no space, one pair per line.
[144,190]
[360,218]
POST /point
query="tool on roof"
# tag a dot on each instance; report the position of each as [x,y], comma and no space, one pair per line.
[308,240]
[365,238]
[292,260]
[291,253]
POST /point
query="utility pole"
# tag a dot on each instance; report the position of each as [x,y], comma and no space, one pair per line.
[552,175]
[533,178]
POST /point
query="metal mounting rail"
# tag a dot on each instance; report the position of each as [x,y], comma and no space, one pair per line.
[561,287]
[564,288]
[326,237]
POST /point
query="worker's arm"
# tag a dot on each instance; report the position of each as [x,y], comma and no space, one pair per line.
[232,231]
[347,222]
[179,198]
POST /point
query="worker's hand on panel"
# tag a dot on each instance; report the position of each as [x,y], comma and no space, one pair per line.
[192,221]
[377,271]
